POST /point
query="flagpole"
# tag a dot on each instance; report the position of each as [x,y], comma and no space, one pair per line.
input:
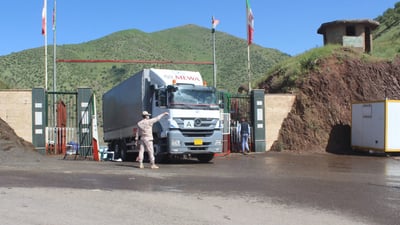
[54,49]
[214,24]
[214,61]
[45,62]
[248,67]
[45,42]
[54,64]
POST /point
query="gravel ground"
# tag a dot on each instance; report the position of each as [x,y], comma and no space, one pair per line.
[63,206]
[32,206]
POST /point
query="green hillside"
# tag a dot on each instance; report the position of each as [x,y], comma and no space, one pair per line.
[3,86]
[387,35]
[25,69]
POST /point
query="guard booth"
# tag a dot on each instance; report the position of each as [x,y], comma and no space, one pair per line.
[64,123]
[251,108]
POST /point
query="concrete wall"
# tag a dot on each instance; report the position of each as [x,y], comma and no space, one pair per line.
[16,110]
[277,107]
[335,34]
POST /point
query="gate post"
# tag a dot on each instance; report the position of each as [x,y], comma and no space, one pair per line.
[226,119]
[84,110]
[39,119]
[257,98]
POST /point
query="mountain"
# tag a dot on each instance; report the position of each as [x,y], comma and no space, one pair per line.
[192,43]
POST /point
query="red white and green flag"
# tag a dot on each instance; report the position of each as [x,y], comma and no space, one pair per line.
[250,23]
[54,16]
[214,23]
[44,12]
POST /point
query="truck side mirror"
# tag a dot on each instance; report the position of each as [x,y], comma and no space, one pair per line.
[172,88]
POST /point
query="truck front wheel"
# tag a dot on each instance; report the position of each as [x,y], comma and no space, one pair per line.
[204,158]
[159,155]
[123,153]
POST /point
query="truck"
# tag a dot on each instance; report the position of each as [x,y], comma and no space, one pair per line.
[192,129]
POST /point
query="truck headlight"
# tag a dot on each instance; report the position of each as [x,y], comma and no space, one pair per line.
[175,142]
[173,124]
[218,124]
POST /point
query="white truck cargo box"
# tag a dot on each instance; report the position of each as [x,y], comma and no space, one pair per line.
[376,126]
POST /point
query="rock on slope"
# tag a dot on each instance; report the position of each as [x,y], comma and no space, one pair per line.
[320,119]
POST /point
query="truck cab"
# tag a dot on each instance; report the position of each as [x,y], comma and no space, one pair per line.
[194,126]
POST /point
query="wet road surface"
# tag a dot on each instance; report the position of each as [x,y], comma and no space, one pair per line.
[366,187]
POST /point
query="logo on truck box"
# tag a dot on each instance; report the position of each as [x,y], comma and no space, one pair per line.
[187,78]
[168,76]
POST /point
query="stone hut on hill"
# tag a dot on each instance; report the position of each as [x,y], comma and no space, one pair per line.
[350,33]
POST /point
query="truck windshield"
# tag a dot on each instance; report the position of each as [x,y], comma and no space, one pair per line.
[193,98]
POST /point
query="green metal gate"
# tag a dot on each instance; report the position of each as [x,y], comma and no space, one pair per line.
[62,122]
[251,108]
[240,107]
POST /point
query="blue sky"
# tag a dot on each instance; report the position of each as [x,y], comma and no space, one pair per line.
[286,25]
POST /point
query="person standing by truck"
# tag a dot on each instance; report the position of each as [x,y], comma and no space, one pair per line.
[146,137]
[244,132]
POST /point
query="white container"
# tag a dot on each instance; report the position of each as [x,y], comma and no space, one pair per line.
[376,126]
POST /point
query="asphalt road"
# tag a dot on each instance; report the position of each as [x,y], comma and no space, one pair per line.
[262,188]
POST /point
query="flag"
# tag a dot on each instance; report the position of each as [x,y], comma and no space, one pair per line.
[54,16]
[250,23]
[214,23]
[44,18]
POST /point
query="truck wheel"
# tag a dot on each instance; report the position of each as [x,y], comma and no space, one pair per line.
[116,149]
[159,156]
[120,150]
[204,158]
[123,155]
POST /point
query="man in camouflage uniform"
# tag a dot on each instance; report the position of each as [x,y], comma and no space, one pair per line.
[146,137]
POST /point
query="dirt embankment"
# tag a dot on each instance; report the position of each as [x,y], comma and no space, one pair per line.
[15,149]
[320,119]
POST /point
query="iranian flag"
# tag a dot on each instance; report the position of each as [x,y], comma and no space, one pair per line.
[250,23]
[214,23]
[54,16]
[44,12]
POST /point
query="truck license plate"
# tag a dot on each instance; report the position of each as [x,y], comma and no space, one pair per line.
[198,142]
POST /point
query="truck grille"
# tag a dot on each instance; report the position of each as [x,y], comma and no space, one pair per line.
[203,127]
[198,122]
[197,133]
